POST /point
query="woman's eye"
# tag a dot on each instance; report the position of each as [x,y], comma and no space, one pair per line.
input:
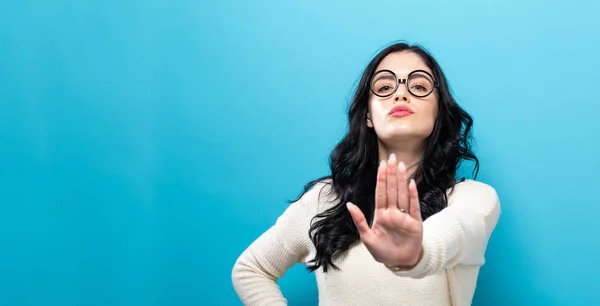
[385,88]
[419,87]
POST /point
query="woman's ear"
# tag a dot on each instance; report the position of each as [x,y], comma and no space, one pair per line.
[369,121]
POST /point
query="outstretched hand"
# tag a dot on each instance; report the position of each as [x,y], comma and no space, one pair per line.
[396,236]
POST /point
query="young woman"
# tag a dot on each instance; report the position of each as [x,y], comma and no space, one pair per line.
[391,225]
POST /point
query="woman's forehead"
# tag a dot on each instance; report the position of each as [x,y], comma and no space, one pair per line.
[402,63]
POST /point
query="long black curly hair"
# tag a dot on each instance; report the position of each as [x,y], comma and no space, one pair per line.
[355,159]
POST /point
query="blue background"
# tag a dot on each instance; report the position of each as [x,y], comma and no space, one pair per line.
[145,144]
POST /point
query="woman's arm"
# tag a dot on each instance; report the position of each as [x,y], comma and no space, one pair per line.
[286,243]
[459,234]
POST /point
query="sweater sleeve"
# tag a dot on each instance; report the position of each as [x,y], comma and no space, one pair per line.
[459,234]
[267,259]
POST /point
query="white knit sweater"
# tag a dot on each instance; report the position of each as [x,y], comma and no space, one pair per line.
[454,242]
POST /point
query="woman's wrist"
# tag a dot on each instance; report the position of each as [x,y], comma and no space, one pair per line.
[410,266]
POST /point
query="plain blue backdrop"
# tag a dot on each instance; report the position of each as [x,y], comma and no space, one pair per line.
[145,144]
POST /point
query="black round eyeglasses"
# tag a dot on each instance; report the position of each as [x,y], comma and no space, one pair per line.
[419,83]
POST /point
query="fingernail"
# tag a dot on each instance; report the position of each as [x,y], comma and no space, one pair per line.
[382,163]
[401,164]
[392,156]
[348,205]
[412,181]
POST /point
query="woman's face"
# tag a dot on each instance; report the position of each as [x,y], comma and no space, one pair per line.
[402,116]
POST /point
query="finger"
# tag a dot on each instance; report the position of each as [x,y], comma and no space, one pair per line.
[359,219]
[380,188]
[403,201]
[392,183]
[415,205]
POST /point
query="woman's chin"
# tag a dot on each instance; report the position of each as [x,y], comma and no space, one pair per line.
[402,133]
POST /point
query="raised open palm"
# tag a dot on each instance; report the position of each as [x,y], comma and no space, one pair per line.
[396,236]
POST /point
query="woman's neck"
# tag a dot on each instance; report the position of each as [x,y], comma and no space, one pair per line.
[410,156]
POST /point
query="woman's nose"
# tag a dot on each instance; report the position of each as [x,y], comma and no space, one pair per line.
[401,96]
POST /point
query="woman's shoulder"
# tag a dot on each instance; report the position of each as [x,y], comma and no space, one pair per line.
[319,197]
[470,185]
[474,193]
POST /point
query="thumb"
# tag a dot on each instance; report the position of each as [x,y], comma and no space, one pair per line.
[359,219]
